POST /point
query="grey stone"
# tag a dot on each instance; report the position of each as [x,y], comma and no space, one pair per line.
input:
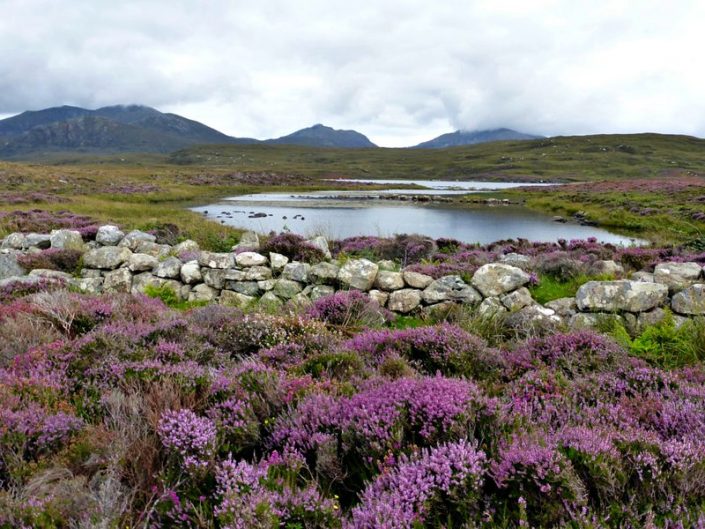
[9,266]
[300,300]
[533,317]
[321,243]
[234,274]
[653,317]
[690,301]
[416,280]
[643,277]
[186,247]
[377,295]
[249,288]
[258,273]
[677,276]
[132,239]
[88,285]
[358,273]
[249,240]
[250,259]
[214,277]
[67,240]
[608,268]
[518,299]
[278,261]
[563,307]
[266,285]
[216,260]
[109,235]
[16,241]
[50,274]
[495,279]
[90,273]
[389,280]
[491,307]
[592,320]
[106,257]
[387,265]
[119,280]
[320,291]
[296,271]
[287,289]
[38,240]
[185,291]
[169,268]
[270,301]
[159,251]
[620,296]
[516,259]
[141,262]
[324,272]
[404,300]
[202,293]
[191,273]
[450,288]
[236,299]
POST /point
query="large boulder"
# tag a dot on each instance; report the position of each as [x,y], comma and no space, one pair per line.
[9,266]
[620,296]
[677,276]
[296,271]
[141,262]
[109,235]
[404,300]
[324,272]
[169,268]
[495,279]
[450,288]
[416,280]
[67,240]
[690,301]
[216,260]
[106,257]
[15,241]
[191,273]
[119,280]
[132,239]
[358,273]
[389,280]
[250,259]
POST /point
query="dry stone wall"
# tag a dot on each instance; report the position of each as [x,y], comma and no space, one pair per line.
[131,262]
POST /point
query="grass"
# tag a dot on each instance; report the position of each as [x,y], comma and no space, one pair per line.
[550,288]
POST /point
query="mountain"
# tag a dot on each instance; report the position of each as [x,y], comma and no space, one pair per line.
[322,136]
[122,128]
[465,137]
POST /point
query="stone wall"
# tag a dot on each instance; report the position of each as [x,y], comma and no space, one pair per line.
[119,262]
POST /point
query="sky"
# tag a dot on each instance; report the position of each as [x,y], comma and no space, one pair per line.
[399,71]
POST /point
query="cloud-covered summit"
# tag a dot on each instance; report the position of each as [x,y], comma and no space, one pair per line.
[399,71]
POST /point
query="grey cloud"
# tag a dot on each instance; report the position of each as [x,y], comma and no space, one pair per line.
[396,70]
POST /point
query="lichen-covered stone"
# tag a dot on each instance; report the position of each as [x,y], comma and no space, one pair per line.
[517,299]
[250,259]
[132,239]
[277,261]
[67,240]
[109,235]
[563,307]
[9,266]
[450,288]
[324,272]
[287,289]
[416,280]
[203,292]
[216,260]
[389,280]
[358,273]
[191,273]
[404,300]
[677,276]
[119,280]
[106,257]
[169,268]
[690,301]
[236,299]
[495,279]
[296,271]
[141,262]
[620,296]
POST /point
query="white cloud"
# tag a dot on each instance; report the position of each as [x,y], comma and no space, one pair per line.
[398,71]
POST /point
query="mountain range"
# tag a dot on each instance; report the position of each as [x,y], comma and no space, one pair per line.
[137,128]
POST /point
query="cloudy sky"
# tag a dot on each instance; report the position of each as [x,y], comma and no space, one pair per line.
[400,71]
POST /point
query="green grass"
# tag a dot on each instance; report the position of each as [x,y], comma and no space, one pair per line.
[550,288]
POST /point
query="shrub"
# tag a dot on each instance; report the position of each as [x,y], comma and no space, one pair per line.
[294,247]
[348,308]
[52,259]
[668,346]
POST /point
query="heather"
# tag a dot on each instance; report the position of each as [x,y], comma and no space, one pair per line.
[121,410]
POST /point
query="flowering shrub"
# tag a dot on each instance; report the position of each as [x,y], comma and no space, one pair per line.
[294,247]
[52,259]
[190,437]
[429,489]
[351,307]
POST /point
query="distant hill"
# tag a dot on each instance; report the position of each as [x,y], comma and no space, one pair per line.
[123,128]
[465,137]
[322,136]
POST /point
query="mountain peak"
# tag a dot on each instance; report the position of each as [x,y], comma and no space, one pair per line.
[472,137]
[320,135]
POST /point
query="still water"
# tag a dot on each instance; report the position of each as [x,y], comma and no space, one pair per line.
[339,214]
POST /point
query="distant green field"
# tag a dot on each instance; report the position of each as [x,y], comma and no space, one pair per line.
[570,158]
